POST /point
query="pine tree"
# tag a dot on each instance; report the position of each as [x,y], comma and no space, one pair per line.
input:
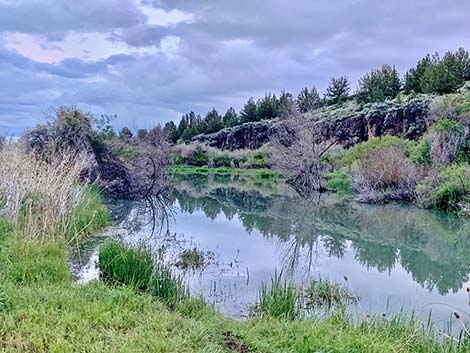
[379,85]
[212,122]
[337,90]
[287,105]
[268,107]
[230,118]
[308,100]
[249,112]
[171,132]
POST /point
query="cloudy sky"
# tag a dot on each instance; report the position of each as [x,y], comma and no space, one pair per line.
[150,61]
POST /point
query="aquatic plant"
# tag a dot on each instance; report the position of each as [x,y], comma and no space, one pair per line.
[167,286]
[326,294]
[191,258]
[121,264]
[278,299]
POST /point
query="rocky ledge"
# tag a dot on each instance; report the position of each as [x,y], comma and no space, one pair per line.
[408,121]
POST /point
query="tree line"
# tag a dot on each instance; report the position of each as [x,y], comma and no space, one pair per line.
[432,74]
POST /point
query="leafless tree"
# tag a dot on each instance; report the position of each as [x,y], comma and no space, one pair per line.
[298,150]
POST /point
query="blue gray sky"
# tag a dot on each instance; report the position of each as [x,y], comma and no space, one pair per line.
[150,61]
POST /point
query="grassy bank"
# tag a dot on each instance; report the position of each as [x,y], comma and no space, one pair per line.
[42,310]
[253,173]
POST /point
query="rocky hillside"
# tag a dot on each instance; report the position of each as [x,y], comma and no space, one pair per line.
[350,123]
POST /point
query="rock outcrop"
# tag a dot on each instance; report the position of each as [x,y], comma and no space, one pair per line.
[408,121]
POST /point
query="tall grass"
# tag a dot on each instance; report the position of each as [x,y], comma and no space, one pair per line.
[134,266]
[44,199]
[121,264]
[278,299]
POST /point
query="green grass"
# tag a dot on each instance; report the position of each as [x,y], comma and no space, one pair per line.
[326,294]
[47,312]
[121,264]
[255,173]
[167,286]
[278,299]
[340,182]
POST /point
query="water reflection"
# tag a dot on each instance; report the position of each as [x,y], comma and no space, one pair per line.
[395,256]
[431,246]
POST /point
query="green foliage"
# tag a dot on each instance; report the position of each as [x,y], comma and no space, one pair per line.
[327,294]
[308,100]
[222,160]
[175,158]
[231,118]
[449,191]
[379,85]
[6,228]
[436,75]
[258,160]
[200,157]
[191,258]
[212,122]
[279,299]
[89,216]
[29,262]
[126,152]
[121,264]
[168,287]
[364,150]
[340,182]
[420,152]
[268,107]
[337,90]
[249,112]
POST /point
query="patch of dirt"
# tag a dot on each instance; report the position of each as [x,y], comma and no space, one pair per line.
[233,344]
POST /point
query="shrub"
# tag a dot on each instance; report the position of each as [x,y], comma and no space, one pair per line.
[385,175]
[364,150]
[340,182]
[167,286]
[121,264]
[279,299]
[222,160]
[449,191]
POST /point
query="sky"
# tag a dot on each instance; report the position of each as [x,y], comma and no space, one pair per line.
[150,61]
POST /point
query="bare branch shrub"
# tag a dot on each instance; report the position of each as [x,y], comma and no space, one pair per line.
[296,150]
[385,175]
[38,196]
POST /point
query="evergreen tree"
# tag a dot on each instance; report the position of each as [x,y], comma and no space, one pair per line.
[308,100]
[230,118]
[268,107]
[379,85]
[337,90]
[414,77]
[249,112]
[212,122]
[183,125]
[171,132]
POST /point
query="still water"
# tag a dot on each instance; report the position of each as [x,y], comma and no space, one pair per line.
[394,257]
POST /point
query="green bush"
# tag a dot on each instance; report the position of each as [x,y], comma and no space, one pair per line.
[175,158]
[449,191]
[364,150]
[121,264]
[200,157]
[420,152]
[258,160]
[222,160]
[340,182]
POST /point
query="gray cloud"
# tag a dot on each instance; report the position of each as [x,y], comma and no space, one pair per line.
[230,51]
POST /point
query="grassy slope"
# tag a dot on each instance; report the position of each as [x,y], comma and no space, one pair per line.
[42,310]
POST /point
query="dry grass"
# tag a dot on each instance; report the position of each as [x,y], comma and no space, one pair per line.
[385,175]
[40,197]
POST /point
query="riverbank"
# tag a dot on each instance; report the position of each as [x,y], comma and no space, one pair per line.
[42,310]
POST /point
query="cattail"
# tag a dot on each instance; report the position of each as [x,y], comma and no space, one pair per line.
[457,316]
[468,289]
[345,278]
